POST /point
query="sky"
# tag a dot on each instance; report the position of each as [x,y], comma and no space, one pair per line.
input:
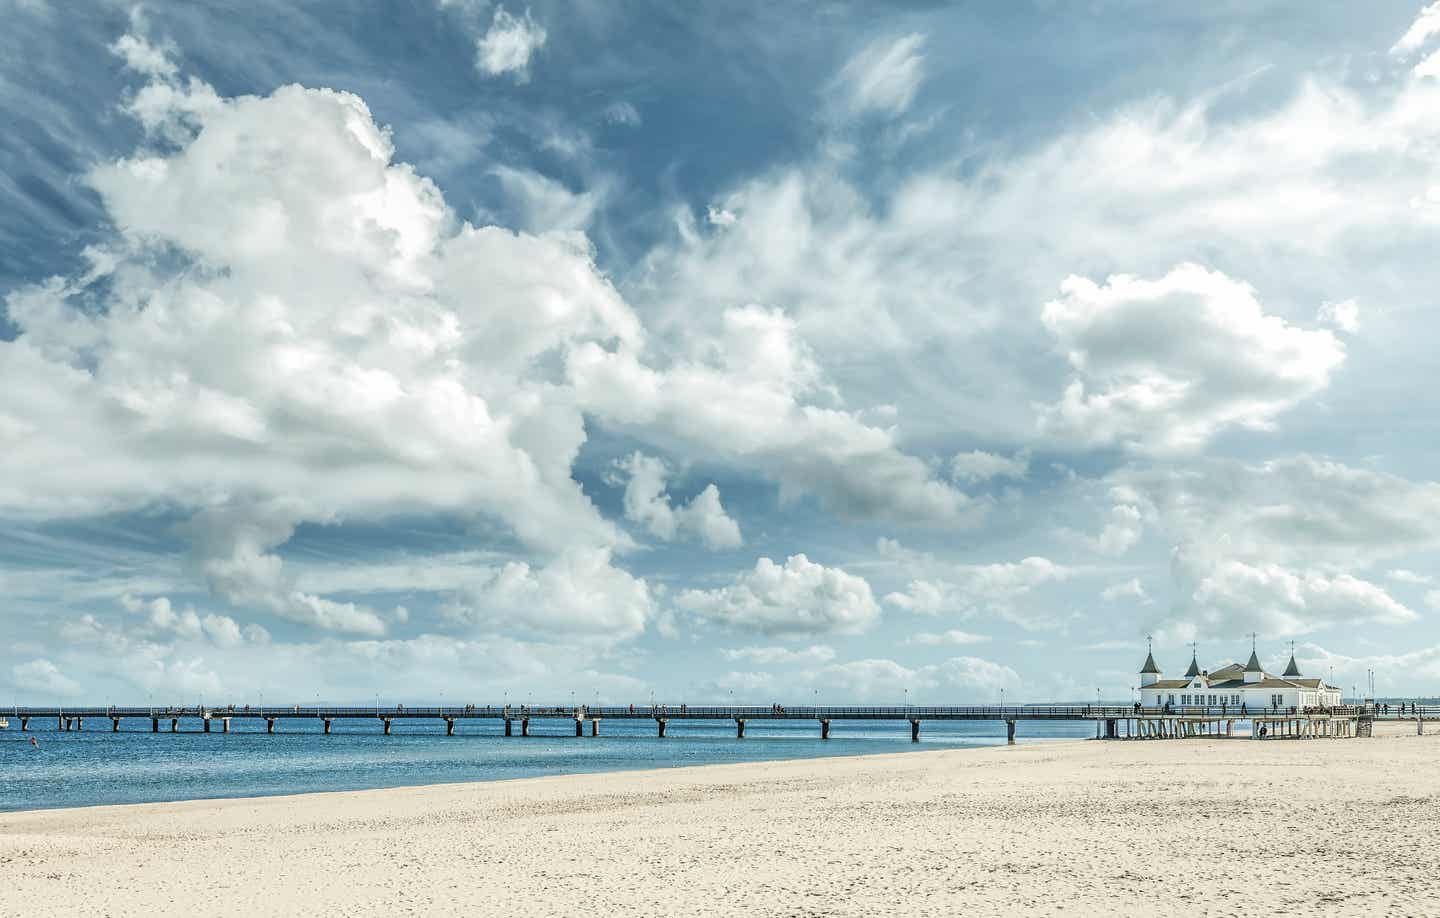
[457,350]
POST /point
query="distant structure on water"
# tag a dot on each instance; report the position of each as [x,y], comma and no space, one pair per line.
[1235,685]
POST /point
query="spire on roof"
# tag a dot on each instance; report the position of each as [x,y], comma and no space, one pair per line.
[1253,666]
[1292,671]
[1149,666]
[1194,669]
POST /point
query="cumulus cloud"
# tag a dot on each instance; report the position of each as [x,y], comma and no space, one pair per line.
[1164,365]
[993,589]
[1129,589]
[622,112]
[1425,26]
[1302,510]
[882,77]
[509,44]
[885,680]
[780,656]
[647,503]
[1231,595]
[978,465]
[1122,530]
[43,678]
[163,620]
[952,636]
[280,334]
[1402,575]
[579,592]
[1344,315]
[799,597]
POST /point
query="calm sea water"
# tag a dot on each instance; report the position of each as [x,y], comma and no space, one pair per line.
[137,766]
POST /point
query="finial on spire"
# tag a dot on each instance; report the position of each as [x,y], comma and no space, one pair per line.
[1253,636]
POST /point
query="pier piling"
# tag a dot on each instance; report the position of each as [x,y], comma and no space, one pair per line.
[914,731]
[1010,732]
[824,729]
[509,729]
[660,723]
[739,728]
[449,726]
[595,726]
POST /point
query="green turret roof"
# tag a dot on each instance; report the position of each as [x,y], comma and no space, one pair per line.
[1149,666]
[1292,669]
[1194,669]
[1254,665]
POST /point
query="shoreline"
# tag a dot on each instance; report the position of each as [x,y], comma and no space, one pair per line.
[561,776]
[1215,826]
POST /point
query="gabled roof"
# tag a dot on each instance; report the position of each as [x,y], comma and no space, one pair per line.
[1149,666]
[1194,669]
[1253,666]
[1291,670]
[1233,671]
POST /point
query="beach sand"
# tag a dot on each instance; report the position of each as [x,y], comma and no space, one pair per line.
[1154,828]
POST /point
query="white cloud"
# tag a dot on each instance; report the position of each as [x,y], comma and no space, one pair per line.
[545,204]
[1344,315]
[1425,26]
[883,76]
[797,598]
[978,465]
[579,592]
[1300,510]
[509,44]
[1230,595]
[777,656]
[1164,365]
[647,503]
[622,112]
[883,680]
[1129,589]
[44,679]
[1121,531]
[953,636]
[993,589]
[1401,575]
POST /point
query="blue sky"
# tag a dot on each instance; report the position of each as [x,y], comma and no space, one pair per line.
[866,352]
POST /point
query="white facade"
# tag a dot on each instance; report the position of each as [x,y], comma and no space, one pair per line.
[1246,688]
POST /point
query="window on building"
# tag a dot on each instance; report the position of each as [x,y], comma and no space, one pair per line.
[1212,700]
[1170,698]
[1234,699]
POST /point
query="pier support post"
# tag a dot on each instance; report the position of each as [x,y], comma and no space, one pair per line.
[386,722]
[660,724]
[525,727]
[224,725]
[61,723]
[509,728]
[595,726]
[1419,726]
[206,721]
[24,725]
[269,725]
[579,727]
[154,725]
[824,729]
[1010,732]
[327,725]
[449,726]
[114,725]
[739,728]
[174,725]
[914,731]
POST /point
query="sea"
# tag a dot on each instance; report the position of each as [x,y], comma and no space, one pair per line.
[95,766]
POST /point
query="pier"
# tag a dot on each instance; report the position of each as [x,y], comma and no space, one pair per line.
[1111,721]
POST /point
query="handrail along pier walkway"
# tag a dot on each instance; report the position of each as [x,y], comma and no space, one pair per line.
[1111,721]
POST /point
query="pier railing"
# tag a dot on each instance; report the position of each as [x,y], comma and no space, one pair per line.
[714,712]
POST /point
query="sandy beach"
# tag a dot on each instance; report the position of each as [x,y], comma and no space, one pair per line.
[1205,827]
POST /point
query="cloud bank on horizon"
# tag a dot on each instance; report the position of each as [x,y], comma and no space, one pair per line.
[650,344]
